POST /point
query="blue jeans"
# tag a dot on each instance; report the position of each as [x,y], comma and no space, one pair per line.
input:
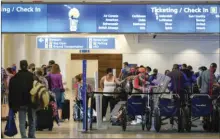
[24,110]
[59,97]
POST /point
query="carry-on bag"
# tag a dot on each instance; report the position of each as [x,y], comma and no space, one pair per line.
[10,128]
[5,107]
[66,110]
[45,119]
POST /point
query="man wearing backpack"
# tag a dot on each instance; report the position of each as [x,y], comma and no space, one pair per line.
[20,99]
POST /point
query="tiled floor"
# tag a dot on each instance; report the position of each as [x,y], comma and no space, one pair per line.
[72,130]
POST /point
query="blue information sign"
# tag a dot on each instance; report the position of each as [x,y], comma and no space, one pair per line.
[24,17]
[75,43]
[208,19]
[100,18]
[171,18]
[113,18]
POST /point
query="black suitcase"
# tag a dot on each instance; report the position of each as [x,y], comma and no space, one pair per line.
[66,110]
[45,119]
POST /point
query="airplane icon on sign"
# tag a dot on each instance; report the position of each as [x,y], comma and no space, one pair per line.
[40,39]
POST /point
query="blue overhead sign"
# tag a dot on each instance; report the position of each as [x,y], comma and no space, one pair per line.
[183,18]
[75,43]
[106,18]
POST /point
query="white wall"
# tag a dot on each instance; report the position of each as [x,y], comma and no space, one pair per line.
[161,54]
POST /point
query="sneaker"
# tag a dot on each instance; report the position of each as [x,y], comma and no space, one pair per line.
[134,122]
[104,119]
[61,120]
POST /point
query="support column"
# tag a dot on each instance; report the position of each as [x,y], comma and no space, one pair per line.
[18,51]
[6,50]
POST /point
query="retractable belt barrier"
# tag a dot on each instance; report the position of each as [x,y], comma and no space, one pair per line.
[91,95]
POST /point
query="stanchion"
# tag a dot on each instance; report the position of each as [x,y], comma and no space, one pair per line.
[98,98]
[85,100]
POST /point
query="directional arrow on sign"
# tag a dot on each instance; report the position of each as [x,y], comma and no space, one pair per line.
[40,39]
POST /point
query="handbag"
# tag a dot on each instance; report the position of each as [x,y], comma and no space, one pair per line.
[10,128]
[5,107]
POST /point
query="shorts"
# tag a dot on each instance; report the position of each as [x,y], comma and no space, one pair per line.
[59,96]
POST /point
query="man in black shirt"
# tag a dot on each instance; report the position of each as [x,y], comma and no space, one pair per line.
[20,99]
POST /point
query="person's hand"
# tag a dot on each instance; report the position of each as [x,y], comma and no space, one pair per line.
[75,99]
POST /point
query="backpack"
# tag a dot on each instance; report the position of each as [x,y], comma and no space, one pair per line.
[40,96]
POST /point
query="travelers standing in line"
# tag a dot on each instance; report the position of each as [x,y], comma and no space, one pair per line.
[4,77]
[78,80]
[184,66]
[4,87]
[140,81]
[14,69]
[20,99]
[153,76]
[132,71]
[31,67]
[10,74]
[108,84]
[207,80]
[177,79]
[49,67]
[57,87]
[166,72]
[44,68]
[125,71]
[39,73]
[78,95]
[177,82]
[148,70]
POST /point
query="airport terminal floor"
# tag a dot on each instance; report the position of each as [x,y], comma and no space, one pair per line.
[71,129]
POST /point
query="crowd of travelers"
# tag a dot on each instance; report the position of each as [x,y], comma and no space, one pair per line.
[17,85]
[182,78]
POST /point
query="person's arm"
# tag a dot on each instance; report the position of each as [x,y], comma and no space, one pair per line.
[199,81]
[117,81]
[61,83]
[120,74]
[77,91]
[102,83]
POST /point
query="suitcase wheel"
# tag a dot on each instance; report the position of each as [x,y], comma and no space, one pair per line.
[50,129]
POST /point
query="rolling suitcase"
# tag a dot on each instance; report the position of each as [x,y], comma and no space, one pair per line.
[45,119]
[66,110]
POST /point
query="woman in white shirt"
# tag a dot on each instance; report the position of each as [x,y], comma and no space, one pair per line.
[108,84]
